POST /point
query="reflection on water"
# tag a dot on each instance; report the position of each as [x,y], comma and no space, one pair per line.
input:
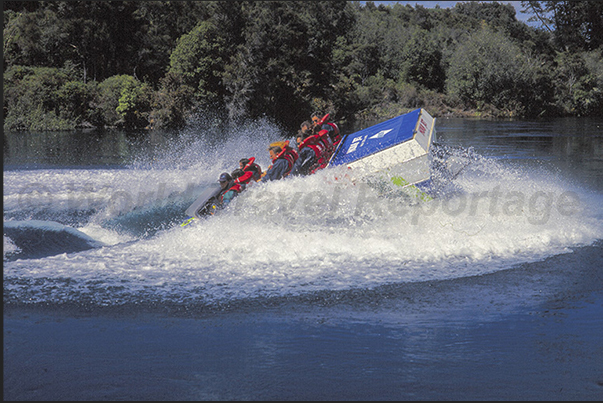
[77,148]
[574,146]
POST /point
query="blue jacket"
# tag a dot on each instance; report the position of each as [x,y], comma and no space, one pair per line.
[227,197]
[276,171]
[307,159]
[232,189]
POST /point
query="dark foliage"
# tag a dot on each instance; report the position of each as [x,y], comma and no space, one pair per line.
[154,63]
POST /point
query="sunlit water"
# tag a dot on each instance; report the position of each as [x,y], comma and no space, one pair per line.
[503,193]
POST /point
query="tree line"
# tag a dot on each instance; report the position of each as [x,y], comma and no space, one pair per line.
[155,64]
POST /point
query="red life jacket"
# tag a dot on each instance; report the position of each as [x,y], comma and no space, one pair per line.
[236,187]
[325,138]
[328,144]
[292,155]
[245,178]
[324,119]
[334,133]
[254,169]
[315,143]
[335,127]
[289,155]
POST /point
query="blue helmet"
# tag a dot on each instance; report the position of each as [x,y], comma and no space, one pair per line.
[225,177]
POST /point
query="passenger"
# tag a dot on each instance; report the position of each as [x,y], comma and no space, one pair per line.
[307,157]
[307,128]
[289,153]
[323,137]
[237,173]
[241,177]
[283,157]
[248,173]
[249,164]
[311,155]
[318,120]
[230,189]
[311,129]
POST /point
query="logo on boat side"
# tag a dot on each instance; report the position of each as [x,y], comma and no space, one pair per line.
[381,134]
[355,143]
[360,140]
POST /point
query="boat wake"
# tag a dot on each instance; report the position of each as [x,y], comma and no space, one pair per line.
[35,239]
[114,237]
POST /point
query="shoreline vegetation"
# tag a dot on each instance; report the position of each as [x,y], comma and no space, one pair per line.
[156,64]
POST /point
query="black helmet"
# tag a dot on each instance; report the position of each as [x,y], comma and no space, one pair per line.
[225,177]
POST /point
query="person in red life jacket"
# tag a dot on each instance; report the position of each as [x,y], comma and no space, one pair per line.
[322,121]
[323,137]
[283,157]
[241,177]
[307,160]
[309,129]
[248,173]
[230,189]
[249,165]
[312,154]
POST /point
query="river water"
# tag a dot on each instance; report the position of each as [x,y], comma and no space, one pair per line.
[315,288]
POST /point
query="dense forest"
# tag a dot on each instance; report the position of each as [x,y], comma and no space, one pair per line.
[156,64]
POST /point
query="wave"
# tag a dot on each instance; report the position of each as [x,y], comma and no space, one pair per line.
[333,231]
[35,239]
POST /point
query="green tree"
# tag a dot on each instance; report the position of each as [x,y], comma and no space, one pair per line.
[161,24]
[121,101]
[107,100]
[74,99]
[575,25]
[34,39]
[594,63]
[269,73]
[164,61]
[490,69]
[325,22]
[356,57]
[422,62]
[173,103]
[578,79]
[199,58]
[134,103]
[32,99]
